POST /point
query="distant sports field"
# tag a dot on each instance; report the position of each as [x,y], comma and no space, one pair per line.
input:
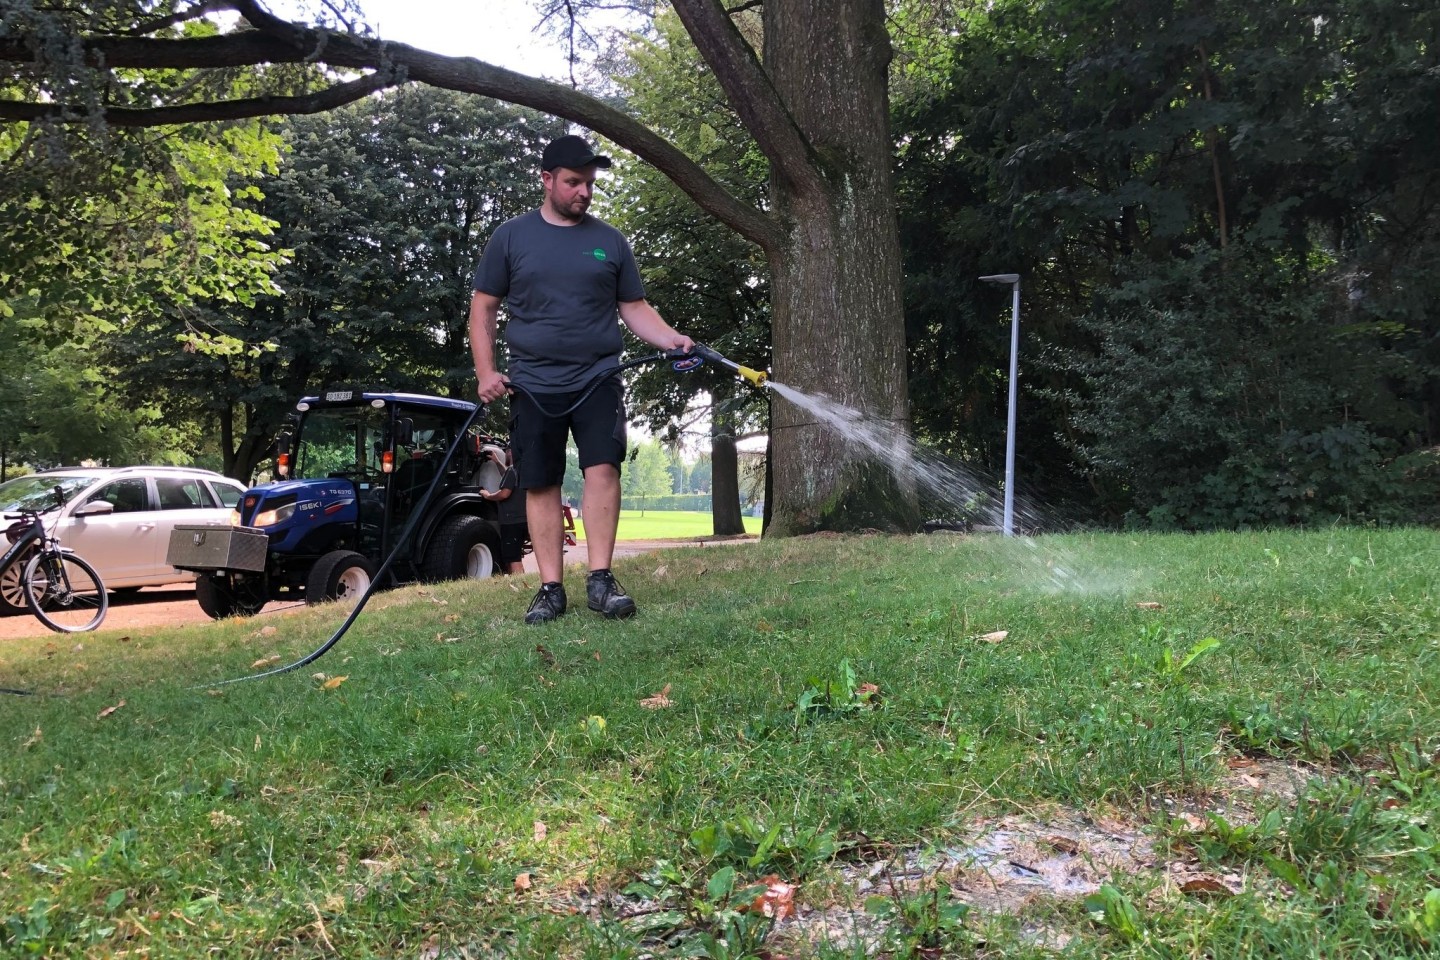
[666,525]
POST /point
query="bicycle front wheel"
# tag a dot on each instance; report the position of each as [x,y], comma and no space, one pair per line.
[64,592]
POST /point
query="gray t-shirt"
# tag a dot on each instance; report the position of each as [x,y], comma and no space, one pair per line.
[561,286]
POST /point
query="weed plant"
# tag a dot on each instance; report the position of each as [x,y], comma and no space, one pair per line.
[449,782]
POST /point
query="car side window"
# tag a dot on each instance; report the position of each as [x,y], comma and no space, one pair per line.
[182,493]
[229,496]
[126,496]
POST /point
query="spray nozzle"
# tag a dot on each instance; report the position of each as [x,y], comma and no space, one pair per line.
[756,377]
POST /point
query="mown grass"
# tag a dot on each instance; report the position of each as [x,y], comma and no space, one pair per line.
[666,525]
[398,812]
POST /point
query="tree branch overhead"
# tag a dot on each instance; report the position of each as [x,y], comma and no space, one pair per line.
[277,41]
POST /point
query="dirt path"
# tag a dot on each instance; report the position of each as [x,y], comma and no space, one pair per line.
[175,605]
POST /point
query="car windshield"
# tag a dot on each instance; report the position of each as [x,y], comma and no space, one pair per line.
[38,492]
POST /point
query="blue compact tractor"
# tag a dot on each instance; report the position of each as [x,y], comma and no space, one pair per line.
[351,472]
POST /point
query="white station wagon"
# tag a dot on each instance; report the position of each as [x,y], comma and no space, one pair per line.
[118,518]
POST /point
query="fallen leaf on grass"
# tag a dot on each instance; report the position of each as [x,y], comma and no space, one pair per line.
[778,900]
[122,639]
[661,570]
[1064,845]
[541,831]
[265,661]
[1150,605]
[1235,763]
[995,637]
[1192,821]
[109,710]
[545,654]
[452,618]
[522,881]
[35,738]
[334,682]
[659,700]
[268,631]
[1206,887]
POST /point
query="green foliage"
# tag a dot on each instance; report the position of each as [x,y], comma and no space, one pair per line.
[385,207]
[1112,909]
[923,924]
[1225,323]
[1327,728]
[714,919]
[99,232]
[1171,667]
[835,696]
[1229,408]
[646,472]
[748,843]
[675,501]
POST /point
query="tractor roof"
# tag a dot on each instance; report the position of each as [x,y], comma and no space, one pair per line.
[357,397]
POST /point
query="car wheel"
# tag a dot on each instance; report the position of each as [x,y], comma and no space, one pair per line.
[339,575]
[463,547]
[221,597]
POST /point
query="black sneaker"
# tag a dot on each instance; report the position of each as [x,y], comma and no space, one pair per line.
[605,595]
[548,604]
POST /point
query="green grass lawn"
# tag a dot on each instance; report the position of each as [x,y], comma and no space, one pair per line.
[666,525]
[838,713]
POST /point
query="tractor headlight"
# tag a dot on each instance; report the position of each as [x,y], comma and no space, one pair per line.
[268,518]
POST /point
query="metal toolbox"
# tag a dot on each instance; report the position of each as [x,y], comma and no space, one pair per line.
[216,546]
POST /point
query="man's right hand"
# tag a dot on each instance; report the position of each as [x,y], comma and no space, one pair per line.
[493,386]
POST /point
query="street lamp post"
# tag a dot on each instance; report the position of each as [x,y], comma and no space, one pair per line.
[1014,280]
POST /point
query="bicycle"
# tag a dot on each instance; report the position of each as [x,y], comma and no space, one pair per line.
[61,589]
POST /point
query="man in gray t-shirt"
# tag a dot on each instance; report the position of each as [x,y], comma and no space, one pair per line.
[564,277]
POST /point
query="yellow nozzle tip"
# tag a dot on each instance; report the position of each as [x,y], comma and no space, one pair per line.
[756,377]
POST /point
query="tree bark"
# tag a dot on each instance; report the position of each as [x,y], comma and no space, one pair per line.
[837,315]
[724,477]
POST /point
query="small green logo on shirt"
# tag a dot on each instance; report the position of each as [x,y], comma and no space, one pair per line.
[598,253]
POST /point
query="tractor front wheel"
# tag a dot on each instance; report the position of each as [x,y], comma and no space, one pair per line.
[221,596]
[342,575]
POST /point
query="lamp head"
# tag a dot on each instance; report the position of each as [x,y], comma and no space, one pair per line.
[1002,278]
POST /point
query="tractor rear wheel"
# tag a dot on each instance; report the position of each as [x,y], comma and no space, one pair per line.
[463,547]
[220,596]
[339,575]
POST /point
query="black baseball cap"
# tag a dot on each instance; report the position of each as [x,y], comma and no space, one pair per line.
[571,152]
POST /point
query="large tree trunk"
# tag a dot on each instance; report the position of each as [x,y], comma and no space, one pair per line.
[724,477]
[838,324]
